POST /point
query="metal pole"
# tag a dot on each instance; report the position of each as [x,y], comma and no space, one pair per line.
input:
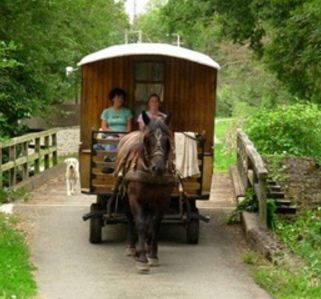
[134,14]
[126,36]
[178,39]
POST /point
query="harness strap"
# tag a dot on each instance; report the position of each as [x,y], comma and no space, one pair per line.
[145,177]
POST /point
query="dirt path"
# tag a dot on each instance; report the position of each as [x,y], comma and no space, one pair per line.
[69,267]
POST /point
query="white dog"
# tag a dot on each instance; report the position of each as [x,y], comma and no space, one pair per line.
[72,175]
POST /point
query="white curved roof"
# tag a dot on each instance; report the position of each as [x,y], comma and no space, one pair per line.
[149,49]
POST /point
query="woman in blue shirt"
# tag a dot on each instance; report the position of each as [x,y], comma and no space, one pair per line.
[117,117]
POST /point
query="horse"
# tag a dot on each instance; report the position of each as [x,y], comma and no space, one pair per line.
[145,174]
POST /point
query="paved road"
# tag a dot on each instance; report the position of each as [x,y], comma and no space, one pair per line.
[69,267]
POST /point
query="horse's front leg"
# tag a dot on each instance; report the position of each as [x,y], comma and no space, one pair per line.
[140,221]
[153,254]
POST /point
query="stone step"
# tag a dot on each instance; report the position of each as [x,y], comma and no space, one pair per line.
[286,209]
[283,202]
[275,195]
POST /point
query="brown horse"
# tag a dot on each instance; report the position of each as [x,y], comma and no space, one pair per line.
[145,173]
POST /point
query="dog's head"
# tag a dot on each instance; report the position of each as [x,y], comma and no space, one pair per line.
[72,164]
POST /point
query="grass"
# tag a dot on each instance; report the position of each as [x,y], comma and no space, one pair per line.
[303,237]
[222,125]
[12,194]
[284,284]
[16,279]
[224,157]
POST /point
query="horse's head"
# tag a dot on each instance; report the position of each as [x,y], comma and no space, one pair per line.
[157,146]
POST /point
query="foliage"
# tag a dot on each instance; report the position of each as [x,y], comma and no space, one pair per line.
[16,279]
[270,210]
[12,194]
[223,158]
[39,39]
[248,204]
[257,89]
[251,257]
[224,155]
[153,28]
[285,284]
[284,33]
[295,53]
[303,236]
[14,101]
[294,130]
[200,29]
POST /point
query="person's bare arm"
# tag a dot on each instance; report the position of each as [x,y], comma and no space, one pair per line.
[104,126]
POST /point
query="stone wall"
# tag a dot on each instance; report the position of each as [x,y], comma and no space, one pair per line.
[300,179]
[68,141]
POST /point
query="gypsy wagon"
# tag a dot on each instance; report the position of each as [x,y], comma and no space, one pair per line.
[185,80]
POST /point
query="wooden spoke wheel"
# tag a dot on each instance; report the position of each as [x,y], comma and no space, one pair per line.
[95,225]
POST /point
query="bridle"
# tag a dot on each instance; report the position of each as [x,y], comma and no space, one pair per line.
[158,150]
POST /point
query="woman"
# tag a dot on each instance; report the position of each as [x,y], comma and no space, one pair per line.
[116,118]
[153,110]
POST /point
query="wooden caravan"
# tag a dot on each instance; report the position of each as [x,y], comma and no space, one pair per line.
[184,79]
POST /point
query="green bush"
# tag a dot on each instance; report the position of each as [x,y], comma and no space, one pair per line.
[293,130]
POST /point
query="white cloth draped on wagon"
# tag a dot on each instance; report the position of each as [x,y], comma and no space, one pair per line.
[186,160]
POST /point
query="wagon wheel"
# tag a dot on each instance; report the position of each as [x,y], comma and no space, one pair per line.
[95,225]
[193,229]
[102,201]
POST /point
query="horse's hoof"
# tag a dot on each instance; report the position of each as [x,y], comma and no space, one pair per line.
[142,268]
[130,251]
[153,262]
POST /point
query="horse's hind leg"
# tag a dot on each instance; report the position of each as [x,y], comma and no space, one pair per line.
[130,250]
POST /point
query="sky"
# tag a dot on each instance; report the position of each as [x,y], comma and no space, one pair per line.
[129,5]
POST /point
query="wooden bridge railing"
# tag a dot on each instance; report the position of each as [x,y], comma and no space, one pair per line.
[253,172]
[27,155]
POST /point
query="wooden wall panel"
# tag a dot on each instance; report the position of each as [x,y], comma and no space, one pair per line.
[189,94]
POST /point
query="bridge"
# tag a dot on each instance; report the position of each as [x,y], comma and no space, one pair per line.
[68,266]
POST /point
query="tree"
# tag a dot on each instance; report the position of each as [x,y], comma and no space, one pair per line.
[47,36]
[285,34]
[295,52]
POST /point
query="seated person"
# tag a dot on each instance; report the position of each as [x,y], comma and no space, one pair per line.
[116,118]
[153,110]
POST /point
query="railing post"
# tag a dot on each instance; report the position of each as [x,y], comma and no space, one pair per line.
[37,151]
[13,170]
[47,155]
[54,144]
[25,166]
[262,202]
[253,172]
